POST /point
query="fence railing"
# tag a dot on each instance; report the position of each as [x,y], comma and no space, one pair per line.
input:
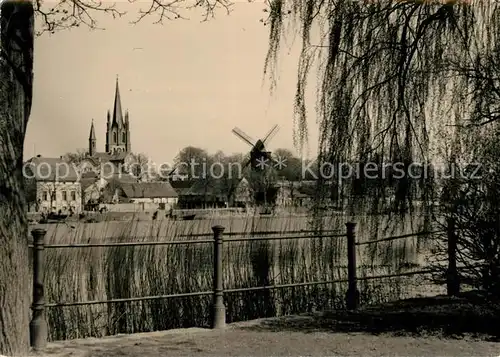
[39,326]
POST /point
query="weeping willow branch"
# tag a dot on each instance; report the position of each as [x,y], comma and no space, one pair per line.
[394,77]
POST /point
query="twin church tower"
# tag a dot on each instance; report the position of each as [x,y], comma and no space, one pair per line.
[117,131]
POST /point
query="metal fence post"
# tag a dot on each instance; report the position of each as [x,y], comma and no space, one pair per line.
[219,310]
[352,296]
[38,324]
[452,278]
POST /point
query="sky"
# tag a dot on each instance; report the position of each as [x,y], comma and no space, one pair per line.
[185,82]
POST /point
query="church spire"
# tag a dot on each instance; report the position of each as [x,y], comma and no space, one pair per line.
[117,109]
[92,140]
[92,131]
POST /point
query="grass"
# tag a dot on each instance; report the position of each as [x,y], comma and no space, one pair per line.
[86,274]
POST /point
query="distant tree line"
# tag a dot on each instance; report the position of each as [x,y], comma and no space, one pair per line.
[291,170]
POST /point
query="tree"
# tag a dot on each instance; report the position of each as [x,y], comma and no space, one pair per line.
[62,15]
[232,174]
[291,170]
[31,197]
[50,189]
[193,162]
[470,200]
[138,165]
[225,174]
[75,157]
[262,182]
[109,191]
[16,87]
[390,81]
[16,83]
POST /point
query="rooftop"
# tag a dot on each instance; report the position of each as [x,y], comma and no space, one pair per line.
[148,190]
[48,169]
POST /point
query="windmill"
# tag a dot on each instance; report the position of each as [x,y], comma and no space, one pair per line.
[259,157]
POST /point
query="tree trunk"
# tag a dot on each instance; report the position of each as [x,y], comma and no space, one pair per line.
[16,65]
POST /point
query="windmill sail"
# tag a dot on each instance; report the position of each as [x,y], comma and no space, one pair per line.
[243,136]
[270,134]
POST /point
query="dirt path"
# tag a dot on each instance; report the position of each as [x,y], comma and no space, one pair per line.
[253,339]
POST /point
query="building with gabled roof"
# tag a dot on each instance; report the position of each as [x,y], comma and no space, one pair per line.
[213,193]
[148,190]
[55,184]
[141,196]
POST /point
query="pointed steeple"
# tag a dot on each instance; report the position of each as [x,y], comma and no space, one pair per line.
[117,109]
[92,140]
[92,131]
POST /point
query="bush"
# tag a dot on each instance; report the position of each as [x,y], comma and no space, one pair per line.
[471,198]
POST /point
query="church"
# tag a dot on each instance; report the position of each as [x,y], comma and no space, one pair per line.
[98,168]
[118,144]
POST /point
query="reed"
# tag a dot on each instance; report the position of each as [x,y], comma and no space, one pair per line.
[85,274]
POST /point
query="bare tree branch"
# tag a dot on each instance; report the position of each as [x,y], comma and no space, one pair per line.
[66,14]
[71,13]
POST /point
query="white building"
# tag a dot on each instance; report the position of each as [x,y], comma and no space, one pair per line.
[56,185]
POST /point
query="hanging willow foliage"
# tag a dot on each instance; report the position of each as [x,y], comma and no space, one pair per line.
[396,80]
